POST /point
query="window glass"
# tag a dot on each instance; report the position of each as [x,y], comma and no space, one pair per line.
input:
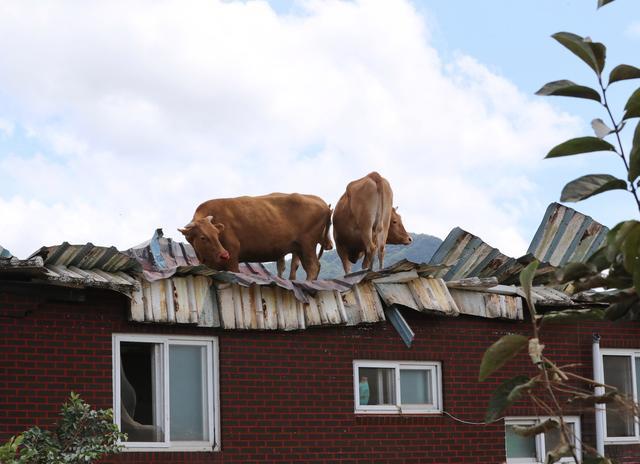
[188,393]
[415,386]
[552,437]
[617,373]
[519,446]
[377,386]
[141,391]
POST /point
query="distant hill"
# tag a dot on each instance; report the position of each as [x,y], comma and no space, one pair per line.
[420,251]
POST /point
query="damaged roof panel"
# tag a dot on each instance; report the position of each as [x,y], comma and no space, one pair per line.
[565,235]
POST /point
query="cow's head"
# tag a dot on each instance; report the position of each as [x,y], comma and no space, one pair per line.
[397,233]
[204,237]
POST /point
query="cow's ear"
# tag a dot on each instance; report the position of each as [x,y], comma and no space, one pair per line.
[219,226]
[184,230]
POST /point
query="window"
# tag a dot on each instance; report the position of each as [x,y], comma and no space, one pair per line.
[534,449]
[166,392]
[621,370]
[397,387]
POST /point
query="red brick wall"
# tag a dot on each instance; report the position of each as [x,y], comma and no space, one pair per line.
[285,397]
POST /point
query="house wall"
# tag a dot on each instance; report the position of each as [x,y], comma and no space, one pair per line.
[286,397]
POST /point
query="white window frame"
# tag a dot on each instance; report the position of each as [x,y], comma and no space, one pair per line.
[436,388]
[539,439]
[212,390]
[632,354]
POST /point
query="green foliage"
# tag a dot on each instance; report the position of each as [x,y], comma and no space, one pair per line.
[580,145]
[632,108]
[9,450]
[590,185]
[603,2]
[508,392]
[623,72]
[566,88]
[592,53]
[500,352]
[82,435]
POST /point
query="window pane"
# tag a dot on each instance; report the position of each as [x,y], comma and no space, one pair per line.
[617,373]
[188,387]
[141,395]
[518,446]
[552,437]
[415,386]
[377,385]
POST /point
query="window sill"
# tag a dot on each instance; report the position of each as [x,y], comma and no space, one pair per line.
[170,449]
[430,412]
[630,441]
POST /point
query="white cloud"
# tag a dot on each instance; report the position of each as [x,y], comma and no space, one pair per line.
[150,108]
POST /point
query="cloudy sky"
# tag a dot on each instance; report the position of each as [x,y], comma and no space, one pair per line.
[120,117]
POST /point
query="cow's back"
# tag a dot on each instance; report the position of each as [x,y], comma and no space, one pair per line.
[267,227]
[363,214]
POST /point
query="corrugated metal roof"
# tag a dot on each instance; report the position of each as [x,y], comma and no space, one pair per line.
[88,256]
[76,265]
[565,235]
[161,258]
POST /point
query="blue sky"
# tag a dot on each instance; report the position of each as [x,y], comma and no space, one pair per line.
[124,122]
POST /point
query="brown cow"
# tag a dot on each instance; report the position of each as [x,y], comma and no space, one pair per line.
[227,231]
[364,221]
[325,244]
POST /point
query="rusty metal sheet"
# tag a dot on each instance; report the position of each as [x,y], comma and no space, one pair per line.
[421,294]
[565,235]
[487,305]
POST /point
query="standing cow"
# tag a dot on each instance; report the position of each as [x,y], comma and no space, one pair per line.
[325,244]
[227,231]
[364,221]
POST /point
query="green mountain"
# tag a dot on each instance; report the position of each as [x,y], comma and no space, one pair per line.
[420,251]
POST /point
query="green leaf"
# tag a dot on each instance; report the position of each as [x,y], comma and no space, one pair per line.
[565,88]
[599,259]
[502,397]
[526,280]
[574,271]
[500,352]
[634,156]
[587,186]
[630,249]
[574,315]
[623,72]
[618,310]
[592,53]
[617,236]
[632,108]
[600,128]
[580,145]
[602,3]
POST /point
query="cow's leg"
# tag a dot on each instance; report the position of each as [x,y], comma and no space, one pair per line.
[295,263]
[280,266]
[369,254]
[310,262]
[343,253]
[381,256]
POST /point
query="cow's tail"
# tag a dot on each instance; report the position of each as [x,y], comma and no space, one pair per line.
[325,233]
